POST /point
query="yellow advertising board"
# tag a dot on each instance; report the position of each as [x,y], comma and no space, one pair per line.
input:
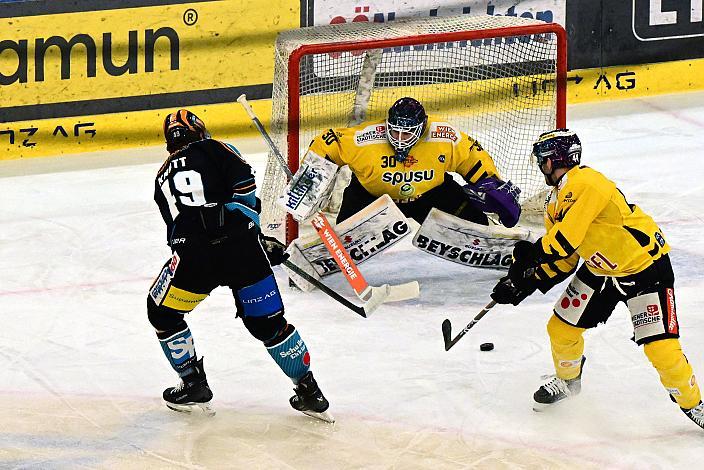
[113,74]
[76,81]
[634,81]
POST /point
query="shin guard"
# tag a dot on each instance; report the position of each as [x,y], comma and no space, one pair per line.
[567,346]
[291,355]
[675,372]
[179,350]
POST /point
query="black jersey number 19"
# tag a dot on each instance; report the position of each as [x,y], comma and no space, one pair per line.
[187,188]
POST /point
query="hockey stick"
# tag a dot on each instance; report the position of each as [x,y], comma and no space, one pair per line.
[373,296]
[355,308]
[447,327]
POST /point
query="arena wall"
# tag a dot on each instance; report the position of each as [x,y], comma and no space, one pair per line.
[88,75]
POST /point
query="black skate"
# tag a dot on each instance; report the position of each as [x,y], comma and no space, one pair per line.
[555,389]
[192,393]
[696,414]
[310,400]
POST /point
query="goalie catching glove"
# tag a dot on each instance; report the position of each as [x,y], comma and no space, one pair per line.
[496,196]
[310,188]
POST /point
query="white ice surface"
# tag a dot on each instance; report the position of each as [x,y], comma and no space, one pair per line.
[81,372]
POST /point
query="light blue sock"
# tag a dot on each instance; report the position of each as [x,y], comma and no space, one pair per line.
[291,355]
[179,350]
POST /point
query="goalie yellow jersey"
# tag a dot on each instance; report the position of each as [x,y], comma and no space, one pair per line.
[587,216]
[442,148]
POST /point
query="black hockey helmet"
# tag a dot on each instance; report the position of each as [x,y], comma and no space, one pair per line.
[181,128]
[561,146]
[407,119]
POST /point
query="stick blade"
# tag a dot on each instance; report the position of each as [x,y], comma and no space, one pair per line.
[447,334]
[379,295]
[407,291]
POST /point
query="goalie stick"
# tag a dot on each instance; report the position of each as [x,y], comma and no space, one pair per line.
[447,327]
[373,296]
[355,308]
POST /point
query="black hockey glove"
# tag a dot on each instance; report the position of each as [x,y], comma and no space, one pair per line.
[505,292]
[275,250]
[526,257]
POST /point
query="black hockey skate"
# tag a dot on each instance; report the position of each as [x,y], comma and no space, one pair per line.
[310,400]
[555,389]
[696,414]
[192,393]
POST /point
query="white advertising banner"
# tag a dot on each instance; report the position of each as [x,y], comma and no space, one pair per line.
[425,57]
[379,11]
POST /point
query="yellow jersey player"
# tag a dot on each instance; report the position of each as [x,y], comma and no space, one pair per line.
[625,260]
[408,156]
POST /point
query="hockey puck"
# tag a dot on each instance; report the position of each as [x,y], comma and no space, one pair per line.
[486,346]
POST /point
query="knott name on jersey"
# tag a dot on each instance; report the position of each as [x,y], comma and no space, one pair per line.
[463,255]
[169,167]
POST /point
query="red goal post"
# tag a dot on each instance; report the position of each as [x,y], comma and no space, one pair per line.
[502,80]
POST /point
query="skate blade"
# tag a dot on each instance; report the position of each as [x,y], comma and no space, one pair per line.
[323,416]
[540,407]
[205,408]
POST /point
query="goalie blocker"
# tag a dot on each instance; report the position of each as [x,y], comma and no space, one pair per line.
[310,188]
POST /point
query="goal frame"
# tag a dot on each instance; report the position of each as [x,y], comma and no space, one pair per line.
[294,69]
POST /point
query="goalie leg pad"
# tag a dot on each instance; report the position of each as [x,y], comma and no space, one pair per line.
[467,243]
[367,233]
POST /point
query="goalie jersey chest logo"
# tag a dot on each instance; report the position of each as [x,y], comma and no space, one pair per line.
[372,134]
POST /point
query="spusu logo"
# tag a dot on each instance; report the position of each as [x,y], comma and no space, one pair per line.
[657,20]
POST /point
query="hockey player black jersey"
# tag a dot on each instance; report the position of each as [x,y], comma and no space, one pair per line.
[206,174]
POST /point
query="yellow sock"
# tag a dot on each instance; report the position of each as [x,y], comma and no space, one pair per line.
[567,347]
[675,372]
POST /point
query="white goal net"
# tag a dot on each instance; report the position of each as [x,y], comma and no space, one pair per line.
[500,79]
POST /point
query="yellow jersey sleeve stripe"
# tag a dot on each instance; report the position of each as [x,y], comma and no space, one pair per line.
[473,170]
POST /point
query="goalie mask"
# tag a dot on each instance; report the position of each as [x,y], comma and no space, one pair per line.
[561,146]
[181,128]
[405,125]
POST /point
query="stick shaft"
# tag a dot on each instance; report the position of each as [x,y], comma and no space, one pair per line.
[334,295]
[320,222]
[469,326]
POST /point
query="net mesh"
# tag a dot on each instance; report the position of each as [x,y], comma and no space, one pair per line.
[501,90]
